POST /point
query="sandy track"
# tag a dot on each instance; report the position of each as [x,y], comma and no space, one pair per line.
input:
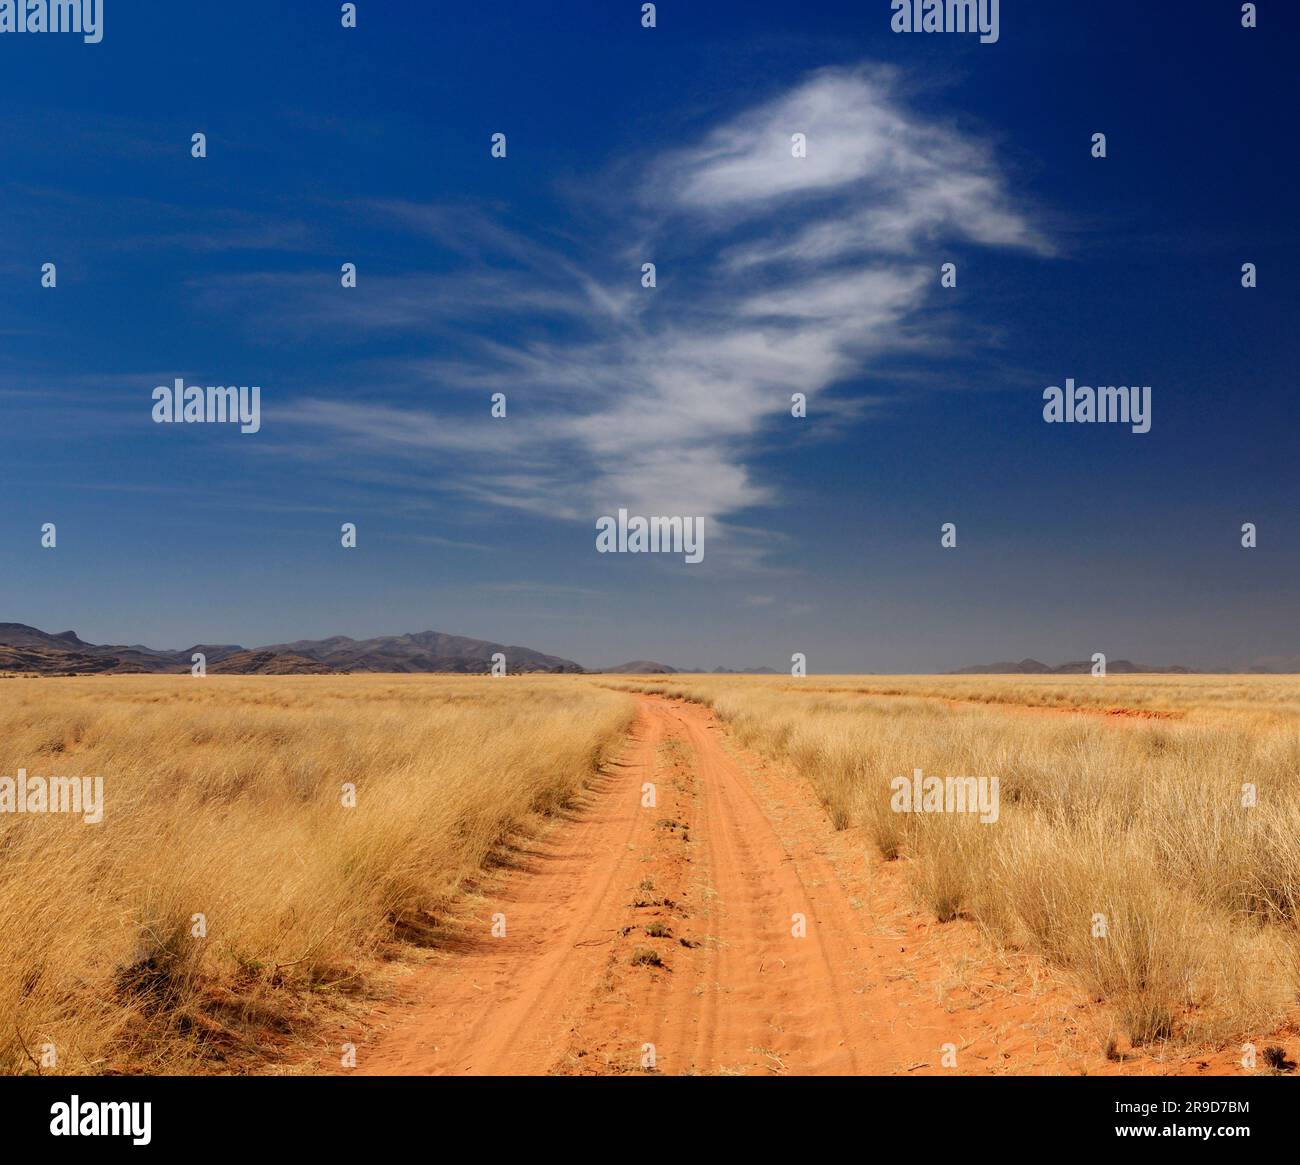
[674,931]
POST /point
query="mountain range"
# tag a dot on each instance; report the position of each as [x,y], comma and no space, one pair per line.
[30,650]
[27,649]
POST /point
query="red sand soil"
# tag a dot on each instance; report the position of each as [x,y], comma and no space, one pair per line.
[734,848]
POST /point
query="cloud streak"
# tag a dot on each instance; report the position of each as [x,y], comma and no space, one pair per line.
[777,274]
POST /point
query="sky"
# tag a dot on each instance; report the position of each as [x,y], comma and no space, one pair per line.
[774,275]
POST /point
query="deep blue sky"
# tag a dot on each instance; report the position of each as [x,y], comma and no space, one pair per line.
[521,275]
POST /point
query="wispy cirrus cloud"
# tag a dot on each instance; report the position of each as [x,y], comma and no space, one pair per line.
[777,274]
[888,181]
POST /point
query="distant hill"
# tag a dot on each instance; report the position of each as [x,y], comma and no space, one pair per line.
[28,649]
[24,648]
[270,663]
[47,662]
[1074,667]
[423,651]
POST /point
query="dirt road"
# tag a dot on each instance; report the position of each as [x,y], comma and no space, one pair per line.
[724,929]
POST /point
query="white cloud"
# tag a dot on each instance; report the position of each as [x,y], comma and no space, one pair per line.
[780,274]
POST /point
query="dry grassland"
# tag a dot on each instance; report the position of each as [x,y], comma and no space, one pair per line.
[1121,801]
[1128,815]
[224,798]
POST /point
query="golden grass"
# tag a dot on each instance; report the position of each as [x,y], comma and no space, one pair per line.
[224,797]
[1104,814]
[1120,798]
